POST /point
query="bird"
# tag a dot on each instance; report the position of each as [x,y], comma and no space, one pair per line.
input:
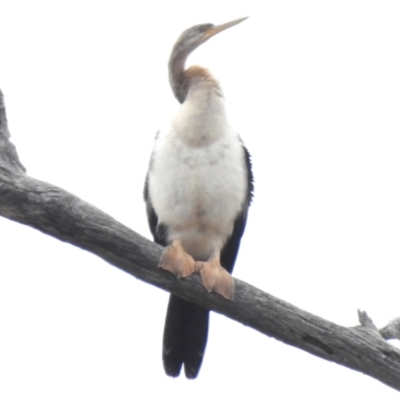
[198,190]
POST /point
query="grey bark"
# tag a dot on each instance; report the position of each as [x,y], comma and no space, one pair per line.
[64,216]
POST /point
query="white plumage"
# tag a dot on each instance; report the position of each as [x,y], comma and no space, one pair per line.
[189,186]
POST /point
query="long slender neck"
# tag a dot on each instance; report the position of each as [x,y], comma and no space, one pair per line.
[200,79]
[179,84]
[201,119]
[182,80]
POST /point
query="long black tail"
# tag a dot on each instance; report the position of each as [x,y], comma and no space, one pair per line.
[185,337]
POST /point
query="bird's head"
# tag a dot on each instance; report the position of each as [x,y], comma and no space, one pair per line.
[193,37]
[189,40]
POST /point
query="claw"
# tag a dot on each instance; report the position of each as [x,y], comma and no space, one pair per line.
[177,261]
[215,278]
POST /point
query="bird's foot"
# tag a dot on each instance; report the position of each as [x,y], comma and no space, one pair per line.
[215,278]
[177,261]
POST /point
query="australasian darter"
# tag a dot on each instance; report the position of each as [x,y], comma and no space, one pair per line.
[198,190]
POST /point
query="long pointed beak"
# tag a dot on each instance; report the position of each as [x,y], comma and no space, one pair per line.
[219,28]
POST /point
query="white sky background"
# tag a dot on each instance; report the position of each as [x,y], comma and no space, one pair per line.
[314,89]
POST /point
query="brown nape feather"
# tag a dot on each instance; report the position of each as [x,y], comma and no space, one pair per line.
[196,75]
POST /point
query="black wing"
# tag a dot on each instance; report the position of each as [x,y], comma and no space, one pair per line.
[230,250]
[159,231]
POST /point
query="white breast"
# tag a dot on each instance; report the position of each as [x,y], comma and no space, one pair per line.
[197,180]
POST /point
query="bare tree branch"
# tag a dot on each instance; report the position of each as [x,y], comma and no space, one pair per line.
[66,217]
[391,330]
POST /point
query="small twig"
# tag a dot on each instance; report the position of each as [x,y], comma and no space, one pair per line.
[391,330]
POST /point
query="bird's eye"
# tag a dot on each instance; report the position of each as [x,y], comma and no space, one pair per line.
[205,27]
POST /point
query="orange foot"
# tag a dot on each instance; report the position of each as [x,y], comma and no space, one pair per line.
[177,261]
[215,278]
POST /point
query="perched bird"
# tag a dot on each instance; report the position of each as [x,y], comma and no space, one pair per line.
[198,190]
